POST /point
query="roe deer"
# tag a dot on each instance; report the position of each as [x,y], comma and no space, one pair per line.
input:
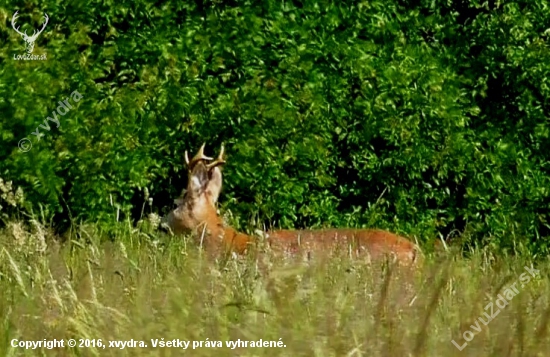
[196,213]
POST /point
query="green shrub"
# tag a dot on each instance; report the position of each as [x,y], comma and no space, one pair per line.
[423,118]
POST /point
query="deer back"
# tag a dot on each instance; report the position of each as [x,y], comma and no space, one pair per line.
[371,243]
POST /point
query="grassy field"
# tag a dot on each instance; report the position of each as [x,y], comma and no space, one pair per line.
[142,285]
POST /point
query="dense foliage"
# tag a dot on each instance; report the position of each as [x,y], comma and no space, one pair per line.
[426,117]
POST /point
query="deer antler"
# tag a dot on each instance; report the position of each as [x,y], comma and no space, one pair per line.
[43,26]
[14,17]
[218,161]
[34,33]
[200,156]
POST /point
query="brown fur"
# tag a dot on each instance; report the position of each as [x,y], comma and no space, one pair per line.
[374,243]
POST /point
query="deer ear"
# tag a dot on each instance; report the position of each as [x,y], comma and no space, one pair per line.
[214,185]
[215,178]
[198,179]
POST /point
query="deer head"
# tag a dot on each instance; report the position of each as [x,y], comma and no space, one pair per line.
[205,180]
[29,40]
[196,208]
[196,211]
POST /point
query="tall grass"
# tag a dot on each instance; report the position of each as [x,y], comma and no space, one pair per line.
[137,284]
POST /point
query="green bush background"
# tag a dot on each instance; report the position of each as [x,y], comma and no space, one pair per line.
[424,117]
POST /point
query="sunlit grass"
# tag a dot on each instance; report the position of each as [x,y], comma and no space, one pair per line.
[141,285]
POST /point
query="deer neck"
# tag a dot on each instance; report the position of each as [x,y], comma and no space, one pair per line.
[218,235]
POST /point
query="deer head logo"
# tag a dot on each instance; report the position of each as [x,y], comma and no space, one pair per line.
[29,40]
